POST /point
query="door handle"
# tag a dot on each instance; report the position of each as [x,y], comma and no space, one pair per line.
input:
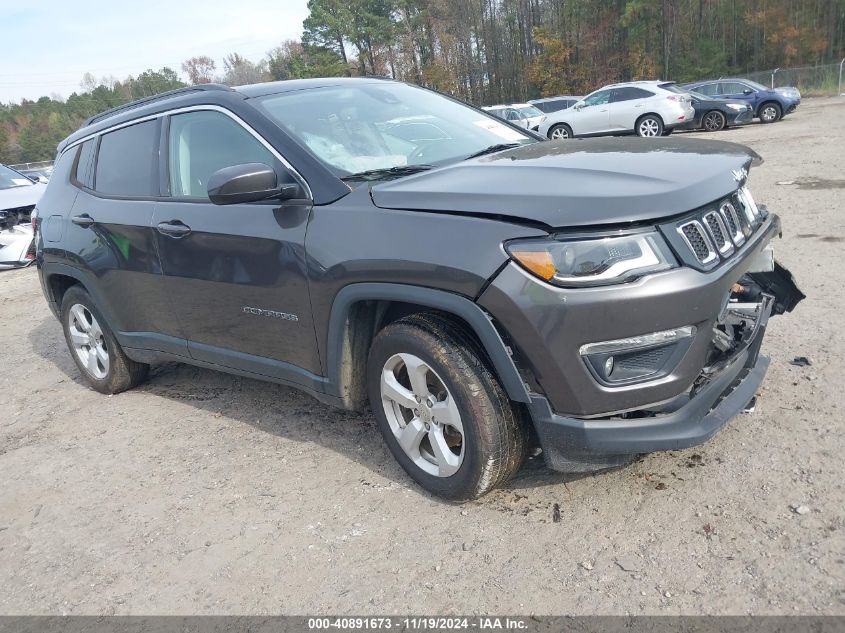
[173,228]
[84,220]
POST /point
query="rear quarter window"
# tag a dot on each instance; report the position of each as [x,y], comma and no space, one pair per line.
[84,174]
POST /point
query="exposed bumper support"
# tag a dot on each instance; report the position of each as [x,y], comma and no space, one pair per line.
[576,444]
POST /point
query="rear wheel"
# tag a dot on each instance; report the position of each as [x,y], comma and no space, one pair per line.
[770,112]
[649,126]
[559,131]
[714,121]
[440,409]
[94,349]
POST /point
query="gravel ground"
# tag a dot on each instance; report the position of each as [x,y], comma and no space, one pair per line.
[203,493]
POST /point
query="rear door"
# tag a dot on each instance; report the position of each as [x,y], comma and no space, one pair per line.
[627,104]
[109,235]
[236,273]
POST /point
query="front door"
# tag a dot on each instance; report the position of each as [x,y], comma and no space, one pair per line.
[236,274]
[592,118]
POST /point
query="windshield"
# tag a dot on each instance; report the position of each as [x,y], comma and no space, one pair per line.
[372,126]
[530,111]
[10,178]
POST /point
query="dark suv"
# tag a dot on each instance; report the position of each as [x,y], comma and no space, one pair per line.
[365,240]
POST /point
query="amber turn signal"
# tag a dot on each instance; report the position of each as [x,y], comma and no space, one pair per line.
[538,262]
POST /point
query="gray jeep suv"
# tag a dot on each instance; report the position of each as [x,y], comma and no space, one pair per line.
[368,241]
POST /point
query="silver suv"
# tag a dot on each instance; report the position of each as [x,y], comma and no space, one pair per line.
[644,108]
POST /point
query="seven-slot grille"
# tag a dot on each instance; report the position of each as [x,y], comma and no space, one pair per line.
[720,229]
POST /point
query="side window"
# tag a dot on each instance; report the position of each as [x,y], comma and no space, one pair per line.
[639,93]
[127,162]
[708,89]
[203,142]
[84,165]
[732,88]
[598,98]
[629,94]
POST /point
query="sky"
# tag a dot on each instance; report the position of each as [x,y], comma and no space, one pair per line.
[47,45]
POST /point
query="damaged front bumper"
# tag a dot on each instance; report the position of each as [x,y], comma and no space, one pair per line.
[722,391]
[710,325]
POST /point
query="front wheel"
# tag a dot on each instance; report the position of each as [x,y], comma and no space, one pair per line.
[714,121]
[559,131]
[770,112]
[440,409]
[650,126]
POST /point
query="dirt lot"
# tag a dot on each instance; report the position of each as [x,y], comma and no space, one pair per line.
[206,493]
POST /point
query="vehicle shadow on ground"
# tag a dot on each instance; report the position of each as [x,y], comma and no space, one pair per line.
[271,408]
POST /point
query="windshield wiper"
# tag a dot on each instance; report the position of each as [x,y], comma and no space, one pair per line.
[387,172]
[498,147]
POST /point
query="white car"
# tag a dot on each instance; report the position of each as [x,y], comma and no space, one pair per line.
[18,196]
[523,114]
[644,108]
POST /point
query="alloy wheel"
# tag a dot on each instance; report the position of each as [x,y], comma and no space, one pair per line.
[769,113]
[714,121]
[559,133]
[422,414]
[88,342]
[649,127]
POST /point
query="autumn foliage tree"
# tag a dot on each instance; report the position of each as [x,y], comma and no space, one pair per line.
[200,69]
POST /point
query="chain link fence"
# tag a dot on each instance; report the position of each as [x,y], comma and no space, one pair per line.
[821,80]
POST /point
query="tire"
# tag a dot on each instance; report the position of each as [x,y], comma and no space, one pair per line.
[770,112]
[649,126]
[714,121]
[93,347]
[478,425]
[560,131]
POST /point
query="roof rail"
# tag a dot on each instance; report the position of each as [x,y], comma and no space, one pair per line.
[144,101]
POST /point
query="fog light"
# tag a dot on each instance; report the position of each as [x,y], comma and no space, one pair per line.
[637,358]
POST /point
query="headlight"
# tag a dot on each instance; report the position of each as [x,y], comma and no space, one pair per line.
[739,107]
[754,214]
[593,261]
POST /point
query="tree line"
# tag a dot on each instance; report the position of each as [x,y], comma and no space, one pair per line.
[482,51]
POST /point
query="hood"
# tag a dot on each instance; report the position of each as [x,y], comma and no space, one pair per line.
[578,182]
[24,196]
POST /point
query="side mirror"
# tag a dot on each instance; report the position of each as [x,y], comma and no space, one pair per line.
[747,91]
[579,105]
[249,182]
